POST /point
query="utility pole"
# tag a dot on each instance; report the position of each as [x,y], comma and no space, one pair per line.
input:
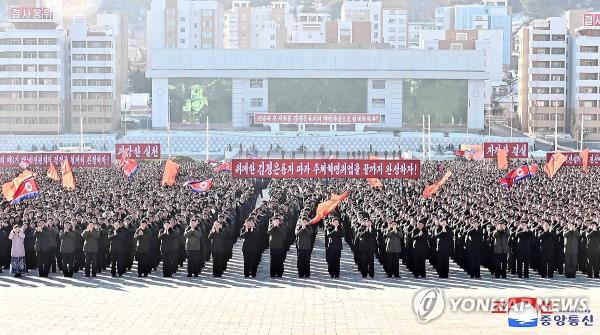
[429,130]
[556,125]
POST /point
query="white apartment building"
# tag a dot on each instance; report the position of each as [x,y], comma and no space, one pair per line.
[256,27]
[543,75]
[309,28]
[185,24]
[96,73]
[32,72]
[414,32]
[387,19]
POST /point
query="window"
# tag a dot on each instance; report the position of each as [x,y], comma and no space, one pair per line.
[461,36]
[587,117]
[48,95]
[588,76]
[541,37]
[588,90]
[48,54]
[30,120]
[11,68]
[256,83]
[588,62]
[182,19]
[377,102]
[78,57]
[48,81]
[540,51]
[540,90]
[558,77]
[48,120]
[78,95]
[99,57]
[48,41]
[78,69]
[29,81]
[558,37]
[29,54]
[48,68]
[99,70]
[558,51]
[99,82]
[540,77]
[588,103]
[29,108]
[558,64]
[10,94]
[78,82]
[539,64]
[195,25]
[78,44]
[378,84]
[48,108]
[586,48]
[256,102]
[99,44]
[30,94]
[29,41]
[456,46]
[182,30]
[557,90]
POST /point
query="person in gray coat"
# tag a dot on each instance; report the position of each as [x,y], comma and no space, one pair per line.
[393,247]
[571,238]
[194,234]
[304,233]
[68,240]
[90,236]
[501,250]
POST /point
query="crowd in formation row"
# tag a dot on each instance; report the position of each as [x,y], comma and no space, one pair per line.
[548,225]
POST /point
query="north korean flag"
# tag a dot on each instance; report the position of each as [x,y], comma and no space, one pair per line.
[130,168]
[27,190]
[199,186]
[518,174]
[225,166]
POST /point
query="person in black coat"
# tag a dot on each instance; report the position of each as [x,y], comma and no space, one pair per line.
[219,243]
[444,239]
[118,250]
[5,245]
[474,248]
[333,237]
[525,244]
[251,247]
[169,242]
[304,233]
[29,244]
[193,247]
[571,247]
[42,248]
[593,251]
[393,248]
[277,237]
[68,239]
[420,242]
[366,246]
[548,245]
[142,237]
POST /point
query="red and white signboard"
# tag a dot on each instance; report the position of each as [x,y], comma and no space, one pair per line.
[325,168]
[573,158]
[30,14]
[515,149]
[314,118]
[138,150]
[591,20]
[99,159]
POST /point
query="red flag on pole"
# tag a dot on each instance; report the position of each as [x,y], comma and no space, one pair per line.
[170,173]
[585,158]
[68,178]
[326,207]
[432,189]
[52,173]
[557,160]
[10,188]
[502,159]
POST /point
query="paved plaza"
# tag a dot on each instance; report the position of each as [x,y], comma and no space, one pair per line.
[290,305]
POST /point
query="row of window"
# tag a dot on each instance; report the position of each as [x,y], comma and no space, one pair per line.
[92,82]
[548,37]
[91,108]
[28,120]
[548,64]
[548,90]
[29,54]
[29,94]
[92,120]
[29,107]
[548,117]
[91,44]
[28,68]
[588,103]
[548,51]
[28,41]
[82,69]
[28,81]
[92,95]
[92,57]
[548,103]
[588,48]
[547,77]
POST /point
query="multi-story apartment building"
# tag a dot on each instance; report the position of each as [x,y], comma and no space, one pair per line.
[415,29]
[489,15]
[32,72]
[309,28]
[96,73]
[257,27]
[383,21]
[543,75]
[185,24]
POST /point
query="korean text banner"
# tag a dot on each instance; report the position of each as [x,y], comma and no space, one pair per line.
[573,158]
[317,118]
[98,159]
[138,150]
[325,168]
[515,149]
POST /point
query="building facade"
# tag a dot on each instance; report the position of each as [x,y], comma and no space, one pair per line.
[32,72]
[256,27]
[384,22]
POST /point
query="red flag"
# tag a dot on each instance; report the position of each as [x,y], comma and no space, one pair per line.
[130,168]
[432,189]
[170,173]
[68,178]
[27,190]
[585,158]
[52,173]
[225,166]
[375,182]
[326,207]
[557,160]
[502,159]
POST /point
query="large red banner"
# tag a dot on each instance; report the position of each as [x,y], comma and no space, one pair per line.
[515,149]
[98,159]
[591,19]
[573,158]
[317,118]
[138,150]
[325,168]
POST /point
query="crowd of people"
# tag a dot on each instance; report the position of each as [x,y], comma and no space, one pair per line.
[109,224]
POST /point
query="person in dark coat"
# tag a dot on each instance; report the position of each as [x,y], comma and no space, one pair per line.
[29,243]
[366,245]
[142,237]
[54,254]
[42,248]
[118,250]
[334,233]
[168,248]
[5,246]
[571,247]
[251,247]
[218,241]
[444,239]
[304,232]
[393,248]
[593,251]
[547,243]
[68,239]
[501,249]
[420,243]
[277,236]
[474,249]
[193,247]
[525,247]
[90,236]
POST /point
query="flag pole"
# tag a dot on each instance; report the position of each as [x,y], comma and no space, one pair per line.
[429,142]
[556,125]
[207,138]
[582,130]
